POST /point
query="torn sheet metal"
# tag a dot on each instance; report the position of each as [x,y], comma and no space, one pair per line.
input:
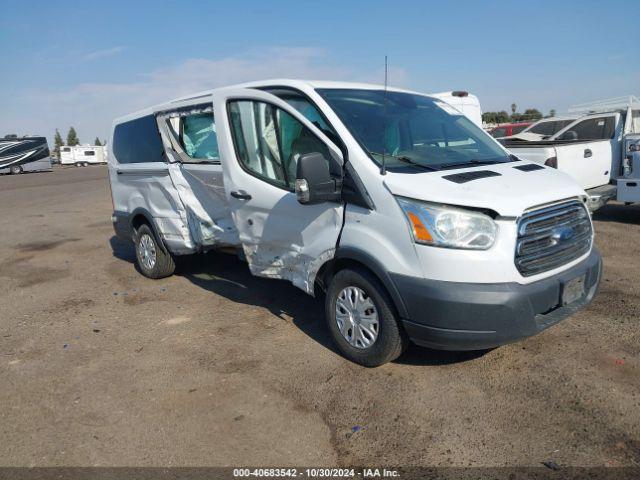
[274,250]
[298,268]
[206,211]
[200,188]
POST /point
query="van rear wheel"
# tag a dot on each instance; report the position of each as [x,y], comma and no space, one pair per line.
[153,260]
[15,169]
[362,320]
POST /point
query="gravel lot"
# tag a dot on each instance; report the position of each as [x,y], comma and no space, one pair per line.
[101,366]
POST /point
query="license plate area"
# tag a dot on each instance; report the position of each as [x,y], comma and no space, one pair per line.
[573,290]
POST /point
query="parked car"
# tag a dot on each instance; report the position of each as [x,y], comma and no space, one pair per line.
[414,223]
[544,128]
[592,149]
[508,129]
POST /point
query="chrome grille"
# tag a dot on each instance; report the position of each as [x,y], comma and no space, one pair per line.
[552,236]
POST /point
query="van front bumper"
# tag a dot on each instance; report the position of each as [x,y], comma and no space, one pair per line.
[472,316]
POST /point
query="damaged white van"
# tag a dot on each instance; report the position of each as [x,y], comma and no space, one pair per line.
[416,224]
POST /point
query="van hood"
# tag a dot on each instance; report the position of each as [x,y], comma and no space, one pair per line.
[509,193]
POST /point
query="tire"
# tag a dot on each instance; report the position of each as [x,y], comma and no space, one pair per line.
[389,340]
[153,260]
[15,169]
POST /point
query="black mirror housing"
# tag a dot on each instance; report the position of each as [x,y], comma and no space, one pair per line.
[314,182]
[570,135]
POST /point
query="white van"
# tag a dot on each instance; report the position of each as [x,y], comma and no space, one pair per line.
[416,224]
[468,104]
[83,155]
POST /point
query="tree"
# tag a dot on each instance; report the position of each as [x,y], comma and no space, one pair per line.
[97,142]
[72,137]
[514,107]
[503,116]
[532,114]
[57,143]
[495,117]
[552,112]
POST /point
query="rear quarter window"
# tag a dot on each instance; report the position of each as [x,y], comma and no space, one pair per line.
[138,141]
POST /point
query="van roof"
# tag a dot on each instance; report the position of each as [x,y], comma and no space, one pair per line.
[303,85]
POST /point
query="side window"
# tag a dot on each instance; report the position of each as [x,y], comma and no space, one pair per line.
[542,128]
[600,128]
[199,136]
[518,129]
[89,153]
[138,141]
[269,141]
[66,149]
[559,125]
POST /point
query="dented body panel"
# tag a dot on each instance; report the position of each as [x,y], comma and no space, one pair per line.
[280,238]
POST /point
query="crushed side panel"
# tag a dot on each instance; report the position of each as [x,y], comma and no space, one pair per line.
[301,261]
[206,213]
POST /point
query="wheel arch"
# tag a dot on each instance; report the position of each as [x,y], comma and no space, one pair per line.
[141,216]
[346,257]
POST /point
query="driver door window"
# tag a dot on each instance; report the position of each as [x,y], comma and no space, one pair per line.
[600,128]
[269,141]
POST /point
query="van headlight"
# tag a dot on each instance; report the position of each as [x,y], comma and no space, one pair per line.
[450,227]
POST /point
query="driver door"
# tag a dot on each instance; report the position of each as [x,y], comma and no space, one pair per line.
[261,139]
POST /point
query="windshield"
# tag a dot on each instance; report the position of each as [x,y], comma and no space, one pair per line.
[412,131]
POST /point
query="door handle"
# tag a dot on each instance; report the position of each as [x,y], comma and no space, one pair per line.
[241,194]
[588,153]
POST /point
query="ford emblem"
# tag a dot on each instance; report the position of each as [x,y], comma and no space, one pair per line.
[562,234]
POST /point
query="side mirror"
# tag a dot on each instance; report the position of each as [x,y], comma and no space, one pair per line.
[314,183]
[570,135]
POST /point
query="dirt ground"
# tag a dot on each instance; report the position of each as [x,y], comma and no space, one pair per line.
[101,366]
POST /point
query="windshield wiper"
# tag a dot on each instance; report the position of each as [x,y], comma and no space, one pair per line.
[406,160]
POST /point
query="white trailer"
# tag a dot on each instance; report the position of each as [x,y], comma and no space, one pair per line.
[83,155]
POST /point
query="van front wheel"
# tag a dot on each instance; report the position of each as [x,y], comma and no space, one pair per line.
[152,259]
[361,319]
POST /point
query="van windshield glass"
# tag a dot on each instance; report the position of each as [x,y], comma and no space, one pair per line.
[413,131]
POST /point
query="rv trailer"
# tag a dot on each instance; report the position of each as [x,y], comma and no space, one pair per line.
[83,155]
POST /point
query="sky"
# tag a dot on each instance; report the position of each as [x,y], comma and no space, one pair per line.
[82,64]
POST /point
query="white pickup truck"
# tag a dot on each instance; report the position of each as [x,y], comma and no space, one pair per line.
[593,149]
